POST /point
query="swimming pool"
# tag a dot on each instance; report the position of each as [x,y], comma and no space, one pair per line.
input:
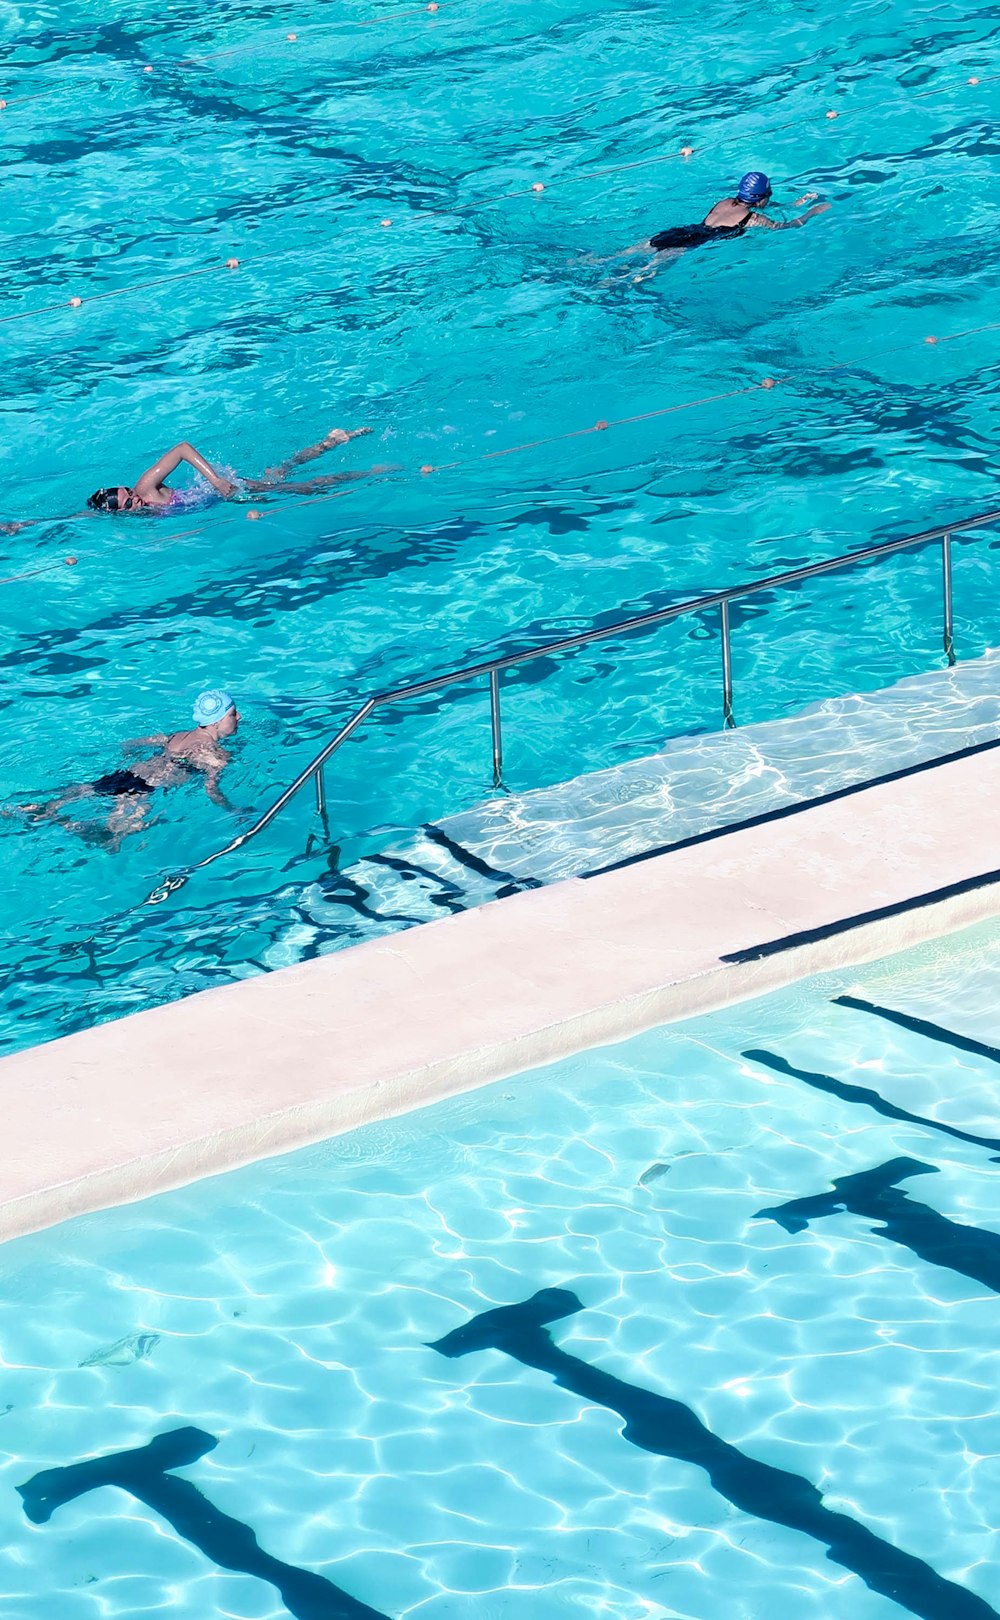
[729,1299]
[461,330]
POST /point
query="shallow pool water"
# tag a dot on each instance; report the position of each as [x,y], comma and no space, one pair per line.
[466,327]
[704,1323]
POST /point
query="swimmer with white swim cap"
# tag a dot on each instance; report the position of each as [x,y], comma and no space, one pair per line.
[180,755]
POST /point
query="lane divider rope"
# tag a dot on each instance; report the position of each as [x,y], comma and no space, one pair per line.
[195,60]
[763,385]
[77,301]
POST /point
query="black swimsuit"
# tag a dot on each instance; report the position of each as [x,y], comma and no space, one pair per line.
[689,236]
[119,784]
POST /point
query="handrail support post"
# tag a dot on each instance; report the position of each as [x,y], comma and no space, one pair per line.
[495,725]
[949,617]
[727,665]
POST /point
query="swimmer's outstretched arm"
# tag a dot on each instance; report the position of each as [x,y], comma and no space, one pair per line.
[27,523]
[152,479]
[132,743]
[786,224]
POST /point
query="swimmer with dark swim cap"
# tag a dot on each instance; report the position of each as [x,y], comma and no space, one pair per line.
[181,754]
[731,217]
[152,493]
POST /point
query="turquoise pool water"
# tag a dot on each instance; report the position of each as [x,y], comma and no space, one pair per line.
[467,327]
[747,1272]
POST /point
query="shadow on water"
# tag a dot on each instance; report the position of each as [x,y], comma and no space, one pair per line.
[875,1195]
[862,1094]
[667,1428]
[145,1473]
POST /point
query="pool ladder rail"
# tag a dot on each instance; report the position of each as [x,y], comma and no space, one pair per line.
[489,670]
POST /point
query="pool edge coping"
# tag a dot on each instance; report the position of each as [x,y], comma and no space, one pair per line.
[701,977]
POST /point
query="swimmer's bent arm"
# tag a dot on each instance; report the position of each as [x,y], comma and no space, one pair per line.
[213,789]
[152,479]
[212,761]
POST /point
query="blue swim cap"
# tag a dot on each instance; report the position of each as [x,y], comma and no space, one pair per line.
[211,706]
[754,187]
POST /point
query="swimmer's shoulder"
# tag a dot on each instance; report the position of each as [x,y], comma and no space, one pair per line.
[727,211]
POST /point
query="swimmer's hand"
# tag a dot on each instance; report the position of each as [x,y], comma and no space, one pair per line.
[12,528]
[800,219]
[225,488]
[806,197]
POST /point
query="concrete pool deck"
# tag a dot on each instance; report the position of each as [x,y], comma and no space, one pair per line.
[227,1076]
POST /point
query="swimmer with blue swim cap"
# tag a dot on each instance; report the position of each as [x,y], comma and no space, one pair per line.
[180,756]
[731,217]
[210,707]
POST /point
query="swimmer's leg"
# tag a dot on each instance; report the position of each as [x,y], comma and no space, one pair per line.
[315,486]
[274,475]
[612,258]
[49,810]
[127,817]
[658,262]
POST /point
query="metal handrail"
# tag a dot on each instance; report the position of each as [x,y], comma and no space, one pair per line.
[490,668]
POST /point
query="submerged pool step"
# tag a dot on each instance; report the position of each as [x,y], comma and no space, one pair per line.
[694,786]
[699,784]
[429,877]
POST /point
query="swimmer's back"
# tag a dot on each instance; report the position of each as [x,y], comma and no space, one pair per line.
[728,218]
[189,746]
[727,215]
